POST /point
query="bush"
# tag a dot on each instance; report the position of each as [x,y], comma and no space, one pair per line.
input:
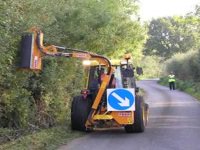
[186,66]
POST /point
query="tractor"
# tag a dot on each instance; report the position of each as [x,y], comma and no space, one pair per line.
[110,97]
[82,117]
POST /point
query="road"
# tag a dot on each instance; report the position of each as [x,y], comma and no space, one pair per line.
[174,124]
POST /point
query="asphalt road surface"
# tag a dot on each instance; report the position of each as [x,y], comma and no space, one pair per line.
[174,124]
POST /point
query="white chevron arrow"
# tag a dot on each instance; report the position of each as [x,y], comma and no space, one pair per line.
[123,102]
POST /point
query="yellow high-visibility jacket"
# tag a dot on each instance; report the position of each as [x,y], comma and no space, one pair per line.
[171,78]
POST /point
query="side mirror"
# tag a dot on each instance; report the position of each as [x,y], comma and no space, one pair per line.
[137,89]
[139,70]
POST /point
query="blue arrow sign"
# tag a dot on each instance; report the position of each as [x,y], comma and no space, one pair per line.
[121,99]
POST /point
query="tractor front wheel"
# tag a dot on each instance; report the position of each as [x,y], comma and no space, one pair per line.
[139,117]
[79,112]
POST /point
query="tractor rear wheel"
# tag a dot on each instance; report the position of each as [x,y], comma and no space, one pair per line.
[79,112]
[139,117]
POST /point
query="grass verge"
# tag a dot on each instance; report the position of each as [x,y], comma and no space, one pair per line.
[189,87]
[46,139]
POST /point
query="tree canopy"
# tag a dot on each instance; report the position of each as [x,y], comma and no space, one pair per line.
[171,35]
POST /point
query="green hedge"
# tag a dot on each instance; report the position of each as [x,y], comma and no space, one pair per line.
[186,66]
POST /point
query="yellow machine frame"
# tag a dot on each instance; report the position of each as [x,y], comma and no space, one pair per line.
[118,118]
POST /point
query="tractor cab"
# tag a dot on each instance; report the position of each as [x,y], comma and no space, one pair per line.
[122,77]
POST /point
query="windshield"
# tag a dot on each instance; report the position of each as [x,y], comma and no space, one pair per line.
[118,77]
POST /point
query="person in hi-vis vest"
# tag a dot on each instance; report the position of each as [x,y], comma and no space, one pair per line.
[171,81]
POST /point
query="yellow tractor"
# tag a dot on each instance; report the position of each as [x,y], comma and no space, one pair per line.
[110,98]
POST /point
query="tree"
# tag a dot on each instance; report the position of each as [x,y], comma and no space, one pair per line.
[171,35]
[186,63]
[105,27]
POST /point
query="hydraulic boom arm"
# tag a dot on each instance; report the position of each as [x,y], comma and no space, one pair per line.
[32,50]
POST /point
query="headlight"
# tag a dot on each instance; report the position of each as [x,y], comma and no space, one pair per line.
[86,62]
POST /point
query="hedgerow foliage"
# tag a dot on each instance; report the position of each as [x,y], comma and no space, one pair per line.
[185,65]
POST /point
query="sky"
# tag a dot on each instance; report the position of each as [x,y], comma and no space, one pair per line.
[162,8]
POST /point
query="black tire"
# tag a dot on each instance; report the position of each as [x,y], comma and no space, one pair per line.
[79,112]
[139,120]
[146,108]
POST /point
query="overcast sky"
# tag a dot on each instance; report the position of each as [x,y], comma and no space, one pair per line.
[158,8]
